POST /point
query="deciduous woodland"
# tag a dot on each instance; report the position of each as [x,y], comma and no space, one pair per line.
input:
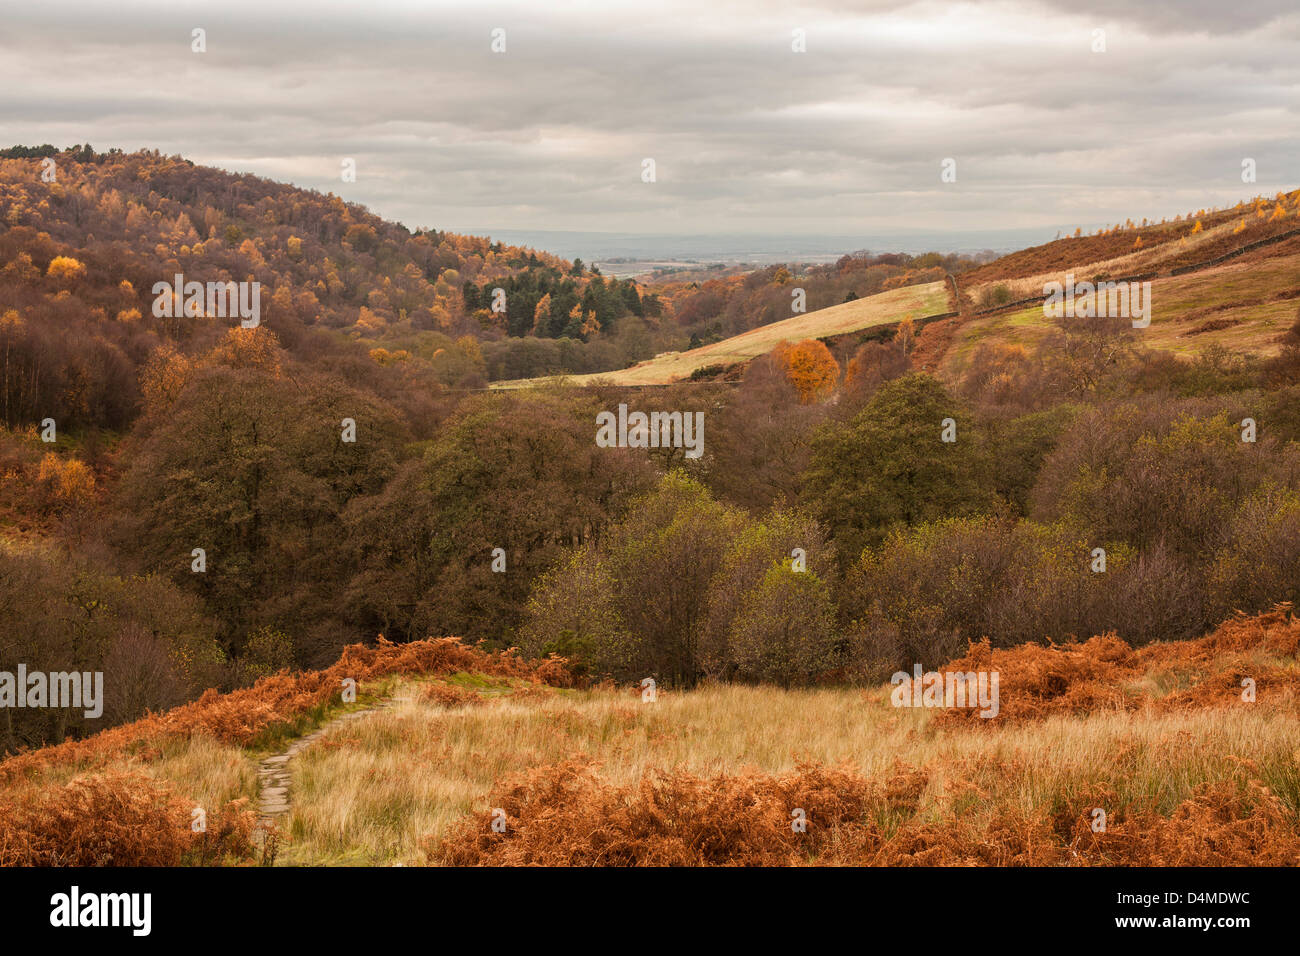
[1108,515]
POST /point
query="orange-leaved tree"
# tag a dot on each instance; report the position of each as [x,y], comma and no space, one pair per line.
[809,367]
[65,267]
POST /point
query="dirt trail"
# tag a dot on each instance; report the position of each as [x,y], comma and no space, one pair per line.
[274,779]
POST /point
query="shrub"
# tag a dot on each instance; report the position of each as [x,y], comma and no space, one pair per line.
[926,593]
[573,612]
[118,819]
[1172,473]
[994,295]
[1259,565]
[759,547]
[785,632]
[566,815]
[266,651]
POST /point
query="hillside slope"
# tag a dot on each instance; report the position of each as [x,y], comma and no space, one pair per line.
[118,223]
[1212,286]
[1243,305]
[884,308]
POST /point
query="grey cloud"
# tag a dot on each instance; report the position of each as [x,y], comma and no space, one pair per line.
[746,134]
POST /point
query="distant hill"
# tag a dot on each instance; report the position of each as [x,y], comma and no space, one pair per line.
[461,310]
[130,220]
[1225,278]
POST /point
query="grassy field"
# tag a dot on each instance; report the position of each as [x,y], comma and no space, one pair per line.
[374,791]
[1237,305]
[1185,769]
[886,307]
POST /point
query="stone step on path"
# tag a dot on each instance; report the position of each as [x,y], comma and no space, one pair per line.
[273,775]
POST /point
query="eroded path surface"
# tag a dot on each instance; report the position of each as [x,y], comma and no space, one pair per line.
[273,775]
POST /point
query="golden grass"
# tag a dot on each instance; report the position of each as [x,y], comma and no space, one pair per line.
[208,772]
[1160,735]
[372,791]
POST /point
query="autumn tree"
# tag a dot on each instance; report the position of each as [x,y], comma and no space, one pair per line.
[65,268]
[889,465]
[905,336]
[1085,353]
[542,315]
[762,440]
[255,348]
[873,364]
[663,558]
[783,540]
[810,368]
[785,633]
[164,376]
[573,612]
[253,470]
[518,472]
[152,642]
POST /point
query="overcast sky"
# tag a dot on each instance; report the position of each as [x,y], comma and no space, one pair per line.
[747,135]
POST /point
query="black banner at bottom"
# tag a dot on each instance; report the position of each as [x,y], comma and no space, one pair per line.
[302,906]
